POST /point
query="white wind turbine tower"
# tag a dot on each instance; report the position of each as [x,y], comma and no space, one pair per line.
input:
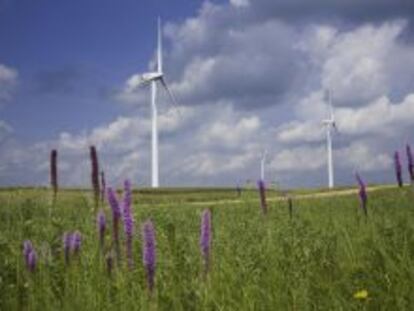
[262,164]
[329,125]
[152,78]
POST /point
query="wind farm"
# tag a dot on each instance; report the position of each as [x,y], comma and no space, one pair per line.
[262,162]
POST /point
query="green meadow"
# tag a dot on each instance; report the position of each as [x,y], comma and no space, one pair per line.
[319,257]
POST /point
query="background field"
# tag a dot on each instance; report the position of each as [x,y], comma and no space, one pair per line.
[315,260]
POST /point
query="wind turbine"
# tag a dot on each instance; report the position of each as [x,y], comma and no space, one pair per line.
[153,78]
[262,164]
[329,125]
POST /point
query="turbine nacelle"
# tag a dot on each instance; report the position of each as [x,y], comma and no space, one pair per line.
[329,122]
[151,76]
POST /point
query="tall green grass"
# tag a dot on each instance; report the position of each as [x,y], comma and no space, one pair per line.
[315,261]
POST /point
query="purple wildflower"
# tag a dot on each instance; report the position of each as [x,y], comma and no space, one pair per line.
[398,170]
[101,224]
[76,242]
[128,221]
[103,187]
[30,256]
[148,253]
[116,214]
[262,192]
[363,197]
[31,260]
[410,162]
[27,248]
[205,238]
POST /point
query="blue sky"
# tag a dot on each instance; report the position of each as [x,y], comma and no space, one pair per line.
[68,44]
[249,75]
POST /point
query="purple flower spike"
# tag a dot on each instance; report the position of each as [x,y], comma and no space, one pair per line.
[128,221]
[398,170]
[32,261]
[127,193]
[103,187]
[101,224]
[363,197]
[27,248]
[205,238]
[116,214]
[410,162]
[30,256]
[148,253]
[113,202]
[262,192]
[76,242]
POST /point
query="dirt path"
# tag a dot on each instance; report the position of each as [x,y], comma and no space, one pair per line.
[316,195]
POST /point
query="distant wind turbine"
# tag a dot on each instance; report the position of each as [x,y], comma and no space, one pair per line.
[329,125]
[152,78]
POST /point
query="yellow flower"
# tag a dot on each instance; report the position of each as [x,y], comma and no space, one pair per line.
[361,294]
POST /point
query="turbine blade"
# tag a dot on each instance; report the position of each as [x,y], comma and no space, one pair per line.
[171,95]
[159,47]
[331,113]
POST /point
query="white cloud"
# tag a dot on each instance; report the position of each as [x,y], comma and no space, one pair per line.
[359,156]
[206,164]
[300,131]
[360,65]
[229,129]
[381,117]
[299,159]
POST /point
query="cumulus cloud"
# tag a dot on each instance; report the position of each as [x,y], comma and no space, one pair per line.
[360,65]
[350,10]
[361,156]
[299,159]
[228,130]
[124,147]
[381,117]
[216,57]
[206,164]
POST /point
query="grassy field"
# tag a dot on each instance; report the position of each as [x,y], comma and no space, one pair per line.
[315,260]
